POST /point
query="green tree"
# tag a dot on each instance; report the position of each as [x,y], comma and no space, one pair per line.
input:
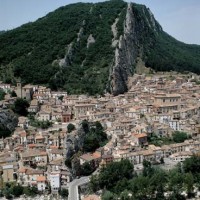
[162,160]
[64,193]
[176,181]
[120,186]
[34,190]
[76,166]
[114,172]
[61,97]
[140,187]
[7,191]
[30,191]
[87,169]
[17,190]
[2,94]
[126,195]
[70,127]
[98,126]
[40,124]
[192,165]
[189,182]
[94,183]
[91,143]
[179,137]
[20,107]
[107,195]
[13,93]
[4,132]
[85,126]
[147,168]
[68,163]
[94,136]
[27,191]
[158,182]
[176,196]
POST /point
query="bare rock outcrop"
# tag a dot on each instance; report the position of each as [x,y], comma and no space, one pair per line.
[130,49]
[8,120]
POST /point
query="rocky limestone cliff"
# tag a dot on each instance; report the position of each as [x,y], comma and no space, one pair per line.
[8,120]
[74,141]
[130,48]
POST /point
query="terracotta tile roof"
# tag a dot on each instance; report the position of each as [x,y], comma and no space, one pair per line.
[141,135]
[53,147]
[39,137]
[32,153]
[33,172]
[22,170]
[87,157]
[31,145]
[57,151]
[41,179]
[96,155]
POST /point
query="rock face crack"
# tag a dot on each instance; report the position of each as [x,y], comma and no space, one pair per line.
[125,55]
[90,40]
[70,52]
[131,47]
[115,32]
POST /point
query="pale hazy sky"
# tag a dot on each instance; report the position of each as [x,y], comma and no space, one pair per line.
[180,18]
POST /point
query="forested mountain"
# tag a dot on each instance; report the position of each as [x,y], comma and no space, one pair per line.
[90,48]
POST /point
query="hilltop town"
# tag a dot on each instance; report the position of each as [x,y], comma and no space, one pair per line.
[141,124]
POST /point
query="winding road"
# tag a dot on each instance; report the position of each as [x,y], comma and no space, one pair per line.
[73,187]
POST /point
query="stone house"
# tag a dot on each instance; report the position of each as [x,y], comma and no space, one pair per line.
[93,159]
[181,156]
[83,109]
[140,139]
[44,116]
[55,154]
[106,160]
[65,176]
[33,157]
[34,106]
[23,122]
[28,176]
[24,92]
[8,171]
[66,116]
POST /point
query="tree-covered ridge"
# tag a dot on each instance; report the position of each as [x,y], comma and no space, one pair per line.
[170,54]
[161,51]
[32,49]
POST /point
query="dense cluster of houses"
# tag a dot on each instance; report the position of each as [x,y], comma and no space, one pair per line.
[158,104]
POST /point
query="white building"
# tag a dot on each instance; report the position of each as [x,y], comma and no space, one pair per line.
[175,125]
[55,181]
[181,156]
[41,183]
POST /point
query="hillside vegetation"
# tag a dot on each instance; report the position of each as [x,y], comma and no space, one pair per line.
[119,181]
[33,51]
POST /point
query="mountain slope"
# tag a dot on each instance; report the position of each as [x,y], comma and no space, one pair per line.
[90,48]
